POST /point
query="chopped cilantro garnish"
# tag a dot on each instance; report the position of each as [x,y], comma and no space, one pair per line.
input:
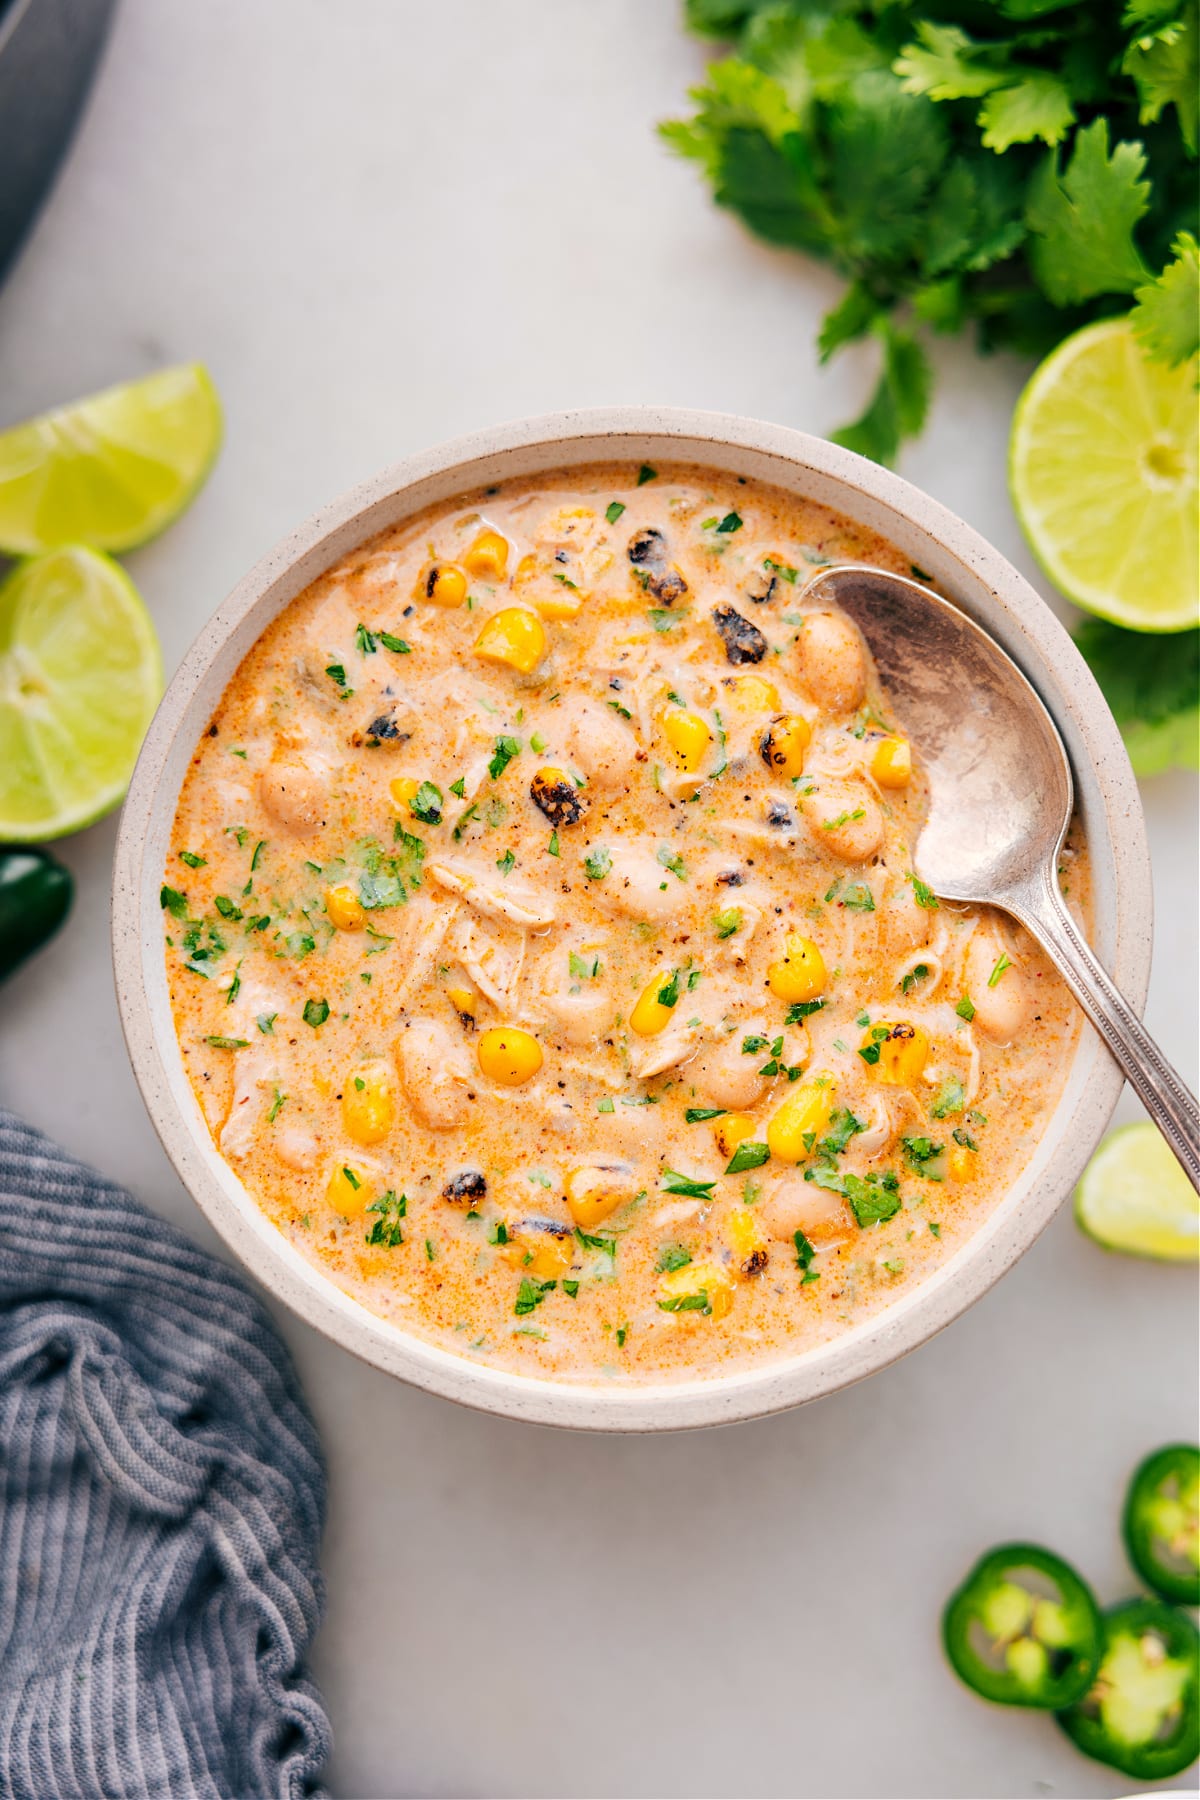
[965,1008]
[426,804]
[506,863]
[391,1208]
[802,1009]
[696,1115]
[315,1012]
[804,1250]
[923,893]
[613,511]
[1002,962]
[871,1198]
[672,1257]
[277,1106]
[645,474]
[950,1098]
[227,1043]
[673,1182]
[597,863]
[505,749]
[193,861]
[668,993]
[748,1155]
[857,898]
[606,1104]
[662,618]
[731,522]
[585,967]
[917,973]
[727,921]
[672,860]
[365,640]
[172,901]
[396,644]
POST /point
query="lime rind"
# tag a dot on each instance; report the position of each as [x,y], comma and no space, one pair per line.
[110,471]
[1103,470]
[80,677]
[1135,1198]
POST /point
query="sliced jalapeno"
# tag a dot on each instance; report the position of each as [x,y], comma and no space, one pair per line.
[1023,1629]
[35,897]
[1142,1713]
[1161,1522]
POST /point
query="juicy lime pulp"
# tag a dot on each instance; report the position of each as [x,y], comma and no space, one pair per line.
[111,470]
[1135,1197]
[80,677]
[1103,472]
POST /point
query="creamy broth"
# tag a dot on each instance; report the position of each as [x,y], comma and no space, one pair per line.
[545,950]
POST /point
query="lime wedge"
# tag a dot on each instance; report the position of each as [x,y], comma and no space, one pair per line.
[1103,472]
[80,676]
[112,470]
[1135,1197]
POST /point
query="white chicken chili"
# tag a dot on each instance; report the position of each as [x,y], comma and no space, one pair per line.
[546,952]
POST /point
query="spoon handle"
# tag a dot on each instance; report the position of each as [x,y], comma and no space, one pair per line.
[1043,912]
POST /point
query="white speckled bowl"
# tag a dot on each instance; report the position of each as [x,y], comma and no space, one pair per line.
[979,579]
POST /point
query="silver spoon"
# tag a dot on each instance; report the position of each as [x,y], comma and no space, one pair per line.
[1000,802]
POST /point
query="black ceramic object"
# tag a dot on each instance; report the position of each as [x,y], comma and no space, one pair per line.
[48,52]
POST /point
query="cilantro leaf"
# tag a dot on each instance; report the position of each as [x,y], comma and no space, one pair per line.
[946,64]
[1166,316]
[1082,218]
[1151,681]
[1164,64]
[898,406]
[1039,106]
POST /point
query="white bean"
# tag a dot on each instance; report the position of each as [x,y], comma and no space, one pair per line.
[832,665]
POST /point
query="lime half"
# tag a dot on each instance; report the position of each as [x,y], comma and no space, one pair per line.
[1103,472]
[111,470]
[1135,1197]
[80,676]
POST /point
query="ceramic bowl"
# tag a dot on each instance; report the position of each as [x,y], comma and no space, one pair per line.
[968,569]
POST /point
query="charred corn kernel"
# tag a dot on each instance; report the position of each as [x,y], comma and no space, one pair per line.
[747,1240]
[702,1290]
[794,1129]
[960,1163]
[751,694]
[403,789]
[349,1191]
[731,1131]
[547,1254]
[903,1054]
[464,1000]
[487,558]
[344,907]
[689,737]
[594,1192]
[891,763]
[784,742]
[509,1056]
[515,637]
[444,585]
[800,972]
[652,1013]
[367,1105]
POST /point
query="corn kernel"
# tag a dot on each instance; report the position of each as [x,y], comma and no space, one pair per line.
[891,763]
[546,1254]
[487,557]
[515,637]
[508,1055]
[367,1105]
[751,694]
[747,1240]
[349,1192]
[960,1163]
[902,1054]
[794,1129]
[403,789]
[783,744]
[444,585]
[709,1280]
[464,1000]
[800,972]
[594,1192]
[689,737]
[652,1013]
[731,1131]
[344,907]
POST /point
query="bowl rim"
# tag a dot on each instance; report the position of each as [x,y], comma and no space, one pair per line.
[981,580]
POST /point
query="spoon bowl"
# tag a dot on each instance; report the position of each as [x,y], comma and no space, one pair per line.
[1000,802]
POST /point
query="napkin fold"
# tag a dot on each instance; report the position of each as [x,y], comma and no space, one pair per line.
[161,1501]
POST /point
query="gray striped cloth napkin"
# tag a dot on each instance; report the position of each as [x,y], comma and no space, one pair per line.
[161,1502]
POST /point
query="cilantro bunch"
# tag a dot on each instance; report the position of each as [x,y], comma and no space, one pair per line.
[1019,166]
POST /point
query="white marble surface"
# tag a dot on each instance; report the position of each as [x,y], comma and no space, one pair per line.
[381,223]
